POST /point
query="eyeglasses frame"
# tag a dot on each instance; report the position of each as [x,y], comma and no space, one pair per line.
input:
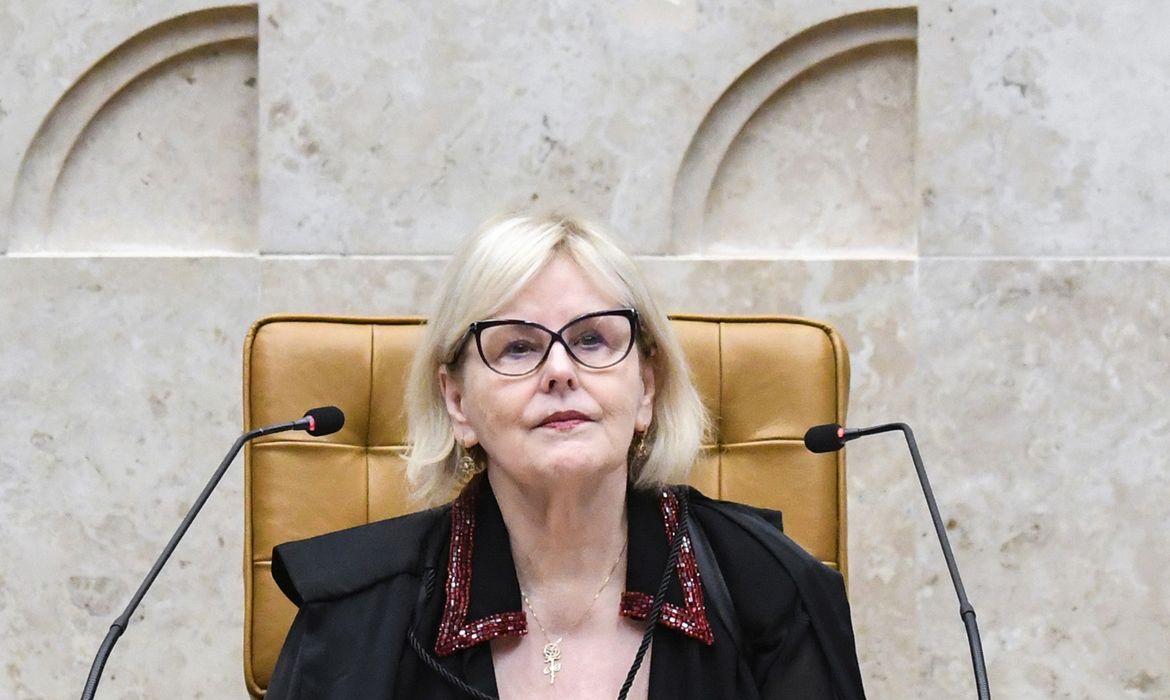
[477,327]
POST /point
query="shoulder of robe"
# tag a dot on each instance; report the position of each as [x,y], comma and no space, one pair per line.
[337,564]
[764,568]
[770,578]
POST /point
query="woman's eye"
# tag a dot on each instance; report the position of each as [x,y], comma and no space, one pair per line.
[590,340]
[517,348]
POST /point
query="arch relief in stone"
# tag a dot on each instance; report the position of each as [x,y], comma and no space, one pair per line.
[729,194]
[226,35]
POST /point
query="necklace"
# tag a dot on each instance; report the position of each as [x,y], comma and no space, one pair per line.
[552,647]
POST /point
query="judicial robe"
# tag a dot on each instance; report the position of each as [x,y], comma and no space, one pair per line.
[748,613]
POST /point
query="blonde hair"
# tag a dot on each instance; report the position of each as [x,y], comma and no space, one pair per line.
[488,272]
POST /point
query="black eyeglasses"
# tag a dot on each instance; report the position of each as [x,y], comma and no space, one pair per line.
[512,347]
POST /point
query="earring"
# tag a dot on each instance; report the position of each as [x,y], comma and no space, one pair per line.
[641,449]
[468,467]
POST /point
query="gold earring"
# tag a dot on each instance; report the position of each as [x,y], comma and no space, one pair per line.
[641,449]
[468,467]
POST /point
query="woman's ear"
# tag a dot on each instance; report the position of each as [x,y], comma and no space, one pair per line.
[452,390]
[646,403]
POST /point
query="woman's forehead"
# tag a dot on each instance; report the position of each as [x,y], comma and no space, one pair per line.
[559,292]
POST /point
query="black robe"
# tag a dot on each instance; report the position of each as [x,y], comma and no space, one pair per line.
[770,622]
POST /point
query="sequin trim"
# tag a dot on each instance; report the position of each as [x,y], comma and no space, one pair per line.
[455,632]
[691,619]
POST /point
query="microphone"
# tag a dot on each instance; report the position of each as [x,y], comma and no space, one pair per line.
[824,438]
[316,421]
[832,437]
[325,420]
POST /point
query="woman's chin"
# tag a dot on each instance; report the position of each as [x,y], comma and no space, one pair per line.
[569,463]
[554,458]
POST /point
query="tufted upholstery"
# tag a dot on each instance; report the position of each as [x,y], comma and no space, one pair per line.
[765,380]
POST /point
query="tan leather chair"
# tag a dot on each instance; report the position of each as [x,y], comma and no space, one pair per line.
[764,380]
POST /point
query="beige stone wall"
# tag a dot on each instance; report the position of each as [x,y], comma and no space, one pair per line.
[975,193]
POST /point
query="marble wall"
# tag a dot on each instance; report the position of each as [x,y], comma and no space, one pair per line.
[975,194]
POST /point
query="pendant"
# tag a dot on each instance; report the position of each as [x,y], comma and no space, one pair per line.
[552,659]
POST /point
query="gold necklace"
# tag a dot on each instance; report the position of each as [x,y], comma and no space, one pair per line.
[552,648]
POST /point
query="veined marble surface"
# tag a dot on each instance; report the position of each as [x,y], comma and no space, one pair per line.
[593,103]
[1049,115]
[1048,431]
[981,213]
[121,377]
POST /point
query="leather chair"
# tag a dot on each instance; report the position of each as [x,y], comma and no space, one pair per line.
[765,380]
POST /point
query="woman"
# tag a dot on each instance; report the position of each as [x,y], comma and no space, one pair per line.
[550,388]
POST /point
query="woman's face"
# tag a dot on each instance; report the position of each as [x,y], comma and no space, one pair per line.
[563,419]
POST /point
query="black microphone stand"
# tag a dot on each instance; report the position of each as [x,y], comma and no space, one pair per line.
[966,611]
[123,621]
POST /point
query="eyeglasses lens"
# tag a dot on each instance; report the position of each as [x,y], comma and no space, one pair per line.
[594,341]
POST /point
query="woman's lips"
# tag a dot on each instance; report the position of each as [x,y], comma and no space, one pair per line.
[564,420]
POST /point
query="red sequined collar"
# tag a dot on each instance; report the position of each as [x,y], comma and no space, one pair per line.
[480,608]
[686,613]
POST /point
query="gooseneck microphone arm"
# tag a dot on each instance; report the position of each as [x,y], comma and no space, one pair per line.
[318,421]
[830,438]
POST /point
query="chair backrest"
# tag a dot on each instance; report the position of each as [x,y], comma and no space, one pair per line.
[765,380]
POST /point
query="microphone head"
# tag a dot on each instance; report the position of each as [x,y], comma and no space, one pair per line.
[324,420]
[824,438]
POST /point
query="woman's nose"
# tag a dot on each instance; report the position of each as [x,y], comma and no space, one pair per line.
[559,368]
